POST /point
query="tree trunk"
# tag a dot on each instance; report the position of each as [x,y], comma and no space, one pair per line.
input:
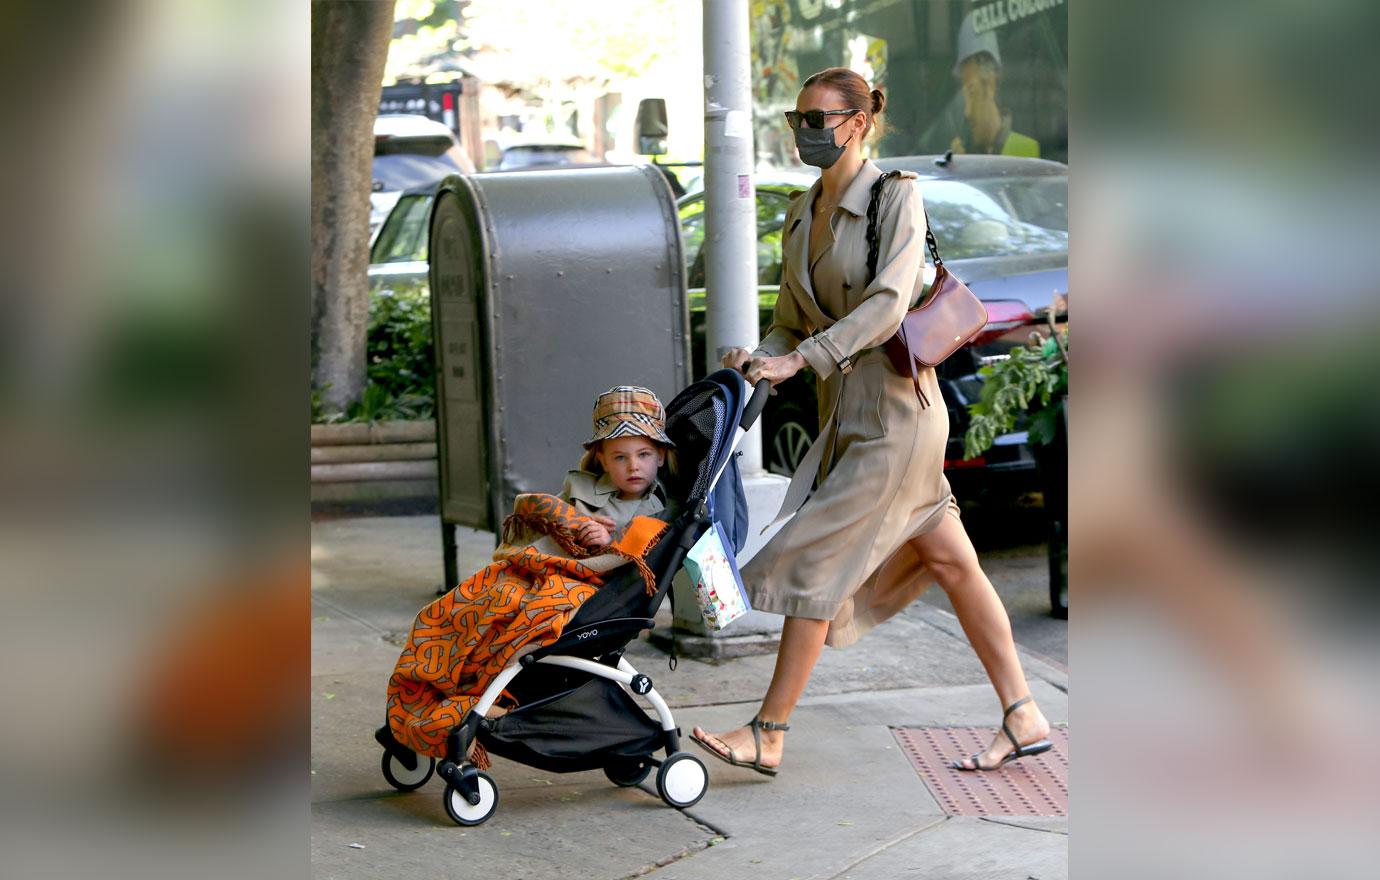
[349,45]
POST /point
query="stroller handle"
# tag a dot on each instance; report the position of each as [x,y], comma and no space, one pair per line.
[755,404]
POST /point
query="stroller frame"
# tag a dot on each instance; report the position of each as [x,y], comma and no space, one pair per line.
[471,795]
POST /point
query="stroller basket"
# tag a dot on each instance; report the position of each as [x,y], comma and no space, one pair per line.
[581,729]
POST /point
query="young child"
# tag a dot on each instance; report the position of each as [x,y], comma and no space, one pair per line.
[617,476]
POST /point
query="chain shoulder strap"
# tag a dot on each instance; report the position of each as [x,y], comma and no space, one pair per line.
[874,243]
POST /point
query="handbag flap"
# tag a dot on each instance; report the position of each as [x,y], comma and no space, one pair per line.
[950,316]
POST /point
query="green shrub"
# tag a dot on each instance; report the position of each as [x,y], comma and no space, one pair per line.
[400,356]
[1033,380]
[401,378]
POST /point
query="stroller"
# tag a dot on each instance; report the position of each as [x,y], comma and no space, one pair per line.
[575,710]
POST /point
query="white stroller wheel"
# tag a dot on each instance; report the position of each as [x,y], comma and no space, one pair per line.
[462,812]
[682,780]
[404,779]
[627,772]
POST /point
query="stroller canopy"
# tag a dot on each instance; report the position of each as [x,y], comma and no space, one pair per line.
[701,421]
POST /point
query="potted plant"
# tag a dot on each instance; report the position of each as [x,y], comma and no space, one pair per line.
[1033,382]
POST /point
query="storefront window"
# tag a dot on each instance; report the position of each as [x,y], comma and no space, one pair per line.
[972,77]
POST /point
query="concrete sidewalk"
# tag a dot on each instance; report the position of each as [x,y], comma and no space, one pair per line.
[848,804]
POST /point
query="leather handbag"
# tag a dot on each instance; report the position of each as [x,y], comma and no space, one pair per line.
[948,318]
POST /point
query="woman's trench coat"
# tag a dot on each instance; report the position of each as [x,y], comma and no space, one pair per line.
[880,452]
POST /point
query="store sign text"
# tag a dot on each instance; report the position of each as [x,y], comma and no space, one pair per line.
[1003,12]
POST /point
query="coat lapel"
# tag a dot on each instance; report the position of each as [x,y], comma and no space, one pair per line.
[859,193]
[797,250]
[798,246]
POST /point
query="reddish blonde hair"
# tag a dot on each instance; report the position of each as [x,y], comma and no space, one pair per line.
[854,90]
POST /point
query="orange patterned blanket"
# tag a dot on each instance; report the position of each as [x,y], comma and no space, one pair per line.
[461,641]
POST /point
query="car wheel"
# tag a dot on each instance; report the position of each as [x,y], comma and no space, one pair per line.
[789,443]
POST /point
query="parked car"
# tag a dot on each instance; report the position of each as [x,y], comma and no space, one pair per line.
[545,154]
[398,255]
[1001,223]
[410,151]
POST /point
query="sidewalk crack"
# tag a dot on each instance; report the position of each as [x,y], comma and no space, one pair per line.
[995,820]
[316,597]
[705,825]
[889,844]
[672,859]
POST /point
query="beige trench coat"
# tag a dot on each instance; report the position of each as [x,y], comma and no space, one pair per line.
[880,453]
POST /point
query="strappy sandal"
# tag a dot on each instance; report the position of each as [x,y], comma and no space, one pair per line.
[757,725]
[1021,751]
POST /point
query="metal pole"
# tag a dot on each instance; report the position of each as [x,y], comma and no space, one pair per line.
[452,565]
[730,203]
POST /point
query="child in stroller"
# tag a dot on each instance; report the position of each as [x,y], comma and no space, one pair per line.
[558,661]
[616,479]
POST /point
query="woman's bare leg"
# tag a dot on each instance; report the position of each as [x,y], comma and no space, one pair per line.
[802,640]
[950,556]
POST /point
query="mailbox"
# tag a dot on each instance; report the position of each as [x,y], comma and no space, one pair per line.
[547,288]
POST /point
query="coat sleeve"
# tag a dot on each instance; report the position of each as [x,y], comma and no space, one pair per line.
[900,259]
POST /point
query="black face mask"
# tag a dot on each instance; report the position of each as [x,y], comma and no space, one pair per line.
[816,146]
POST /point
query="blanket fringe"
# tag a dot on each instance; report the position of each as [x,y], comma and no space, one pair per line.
[479,756]
[515,525]
[636,558]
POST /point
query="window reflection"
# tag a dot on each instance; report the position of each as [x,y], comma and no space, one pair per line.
[998,217]
[403,236]
[771,219]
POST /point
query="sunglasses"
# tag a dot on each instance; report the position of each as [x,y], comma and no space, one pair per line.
[814,118]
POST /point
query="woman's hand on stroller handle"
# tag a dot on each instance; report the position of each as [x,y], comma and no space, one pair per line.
[764,373]
[756,369]
[737,359]
[774,369]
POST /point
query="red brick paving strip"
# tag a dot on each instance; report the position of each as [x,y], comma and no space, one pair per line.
[1036,786]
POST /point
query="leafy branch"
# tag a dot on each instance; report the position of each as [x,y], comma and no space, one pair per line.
[1032,381]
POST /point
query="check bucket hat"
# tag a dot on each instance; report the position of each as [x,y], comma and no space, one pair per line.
[629,411]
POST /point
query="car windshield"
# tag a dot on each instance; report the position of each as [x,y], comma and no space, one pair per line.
[998,217]
[521,157]
[405,172]
[403,236]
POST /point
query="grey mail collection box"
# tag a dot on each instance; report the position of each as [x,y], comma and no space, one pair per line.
[547,288]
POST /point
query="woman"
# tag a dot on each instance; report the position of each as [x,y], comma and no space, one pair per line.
[882,524]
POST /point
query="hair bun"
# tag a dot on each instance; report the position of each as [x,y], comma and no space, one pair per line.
[878,101]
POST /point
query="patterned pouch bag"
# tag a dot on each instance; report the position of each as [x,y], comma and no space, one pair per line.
[718,586]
